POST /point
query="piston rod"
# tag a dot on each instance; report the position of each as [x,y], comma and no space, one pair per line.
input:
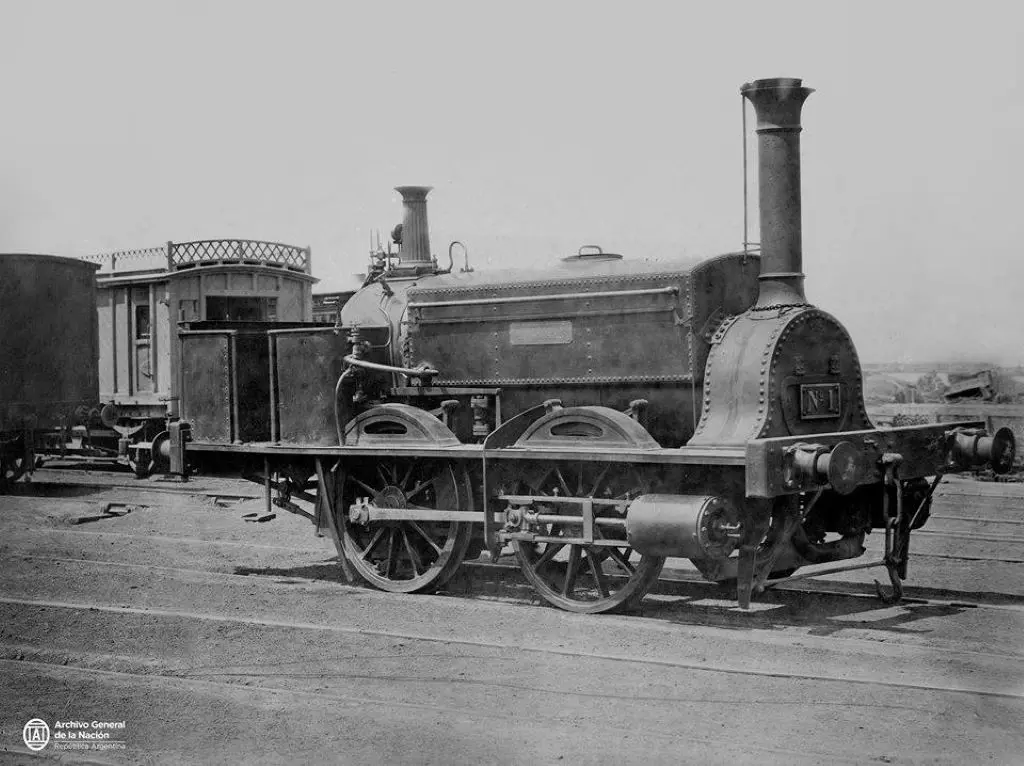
[548,518]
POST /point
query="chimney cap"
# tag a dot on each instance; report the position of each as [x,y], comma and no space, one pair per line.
[413,192]
[772,83]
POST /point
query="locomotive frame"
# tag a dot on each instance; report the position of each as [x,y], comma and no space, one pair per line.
[431,435]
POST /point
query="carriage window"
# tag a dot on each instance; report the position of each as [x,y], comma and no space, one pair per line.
[142,322]
[234,308]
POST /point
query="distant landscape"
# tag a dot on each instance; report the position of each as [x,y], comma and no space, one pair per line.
[939,382]
[899,394]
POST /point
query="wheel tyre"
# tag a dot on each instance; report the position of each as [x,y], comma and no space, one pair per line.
[443,544]
[646,574]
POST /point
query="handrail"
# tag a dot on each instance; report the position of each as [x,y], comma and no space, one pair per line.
[537,298]
[416,372]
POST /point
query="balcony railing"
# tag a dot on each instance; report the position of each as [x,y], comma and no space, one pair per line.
[184,255]
[146,259]
[176,256]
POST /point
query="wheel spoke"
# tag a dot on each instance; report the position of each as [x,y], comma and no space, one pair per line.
[579,481]
[599,578]
[414,557]
[561,480]
[537,487]
[392,550]
[420,487]
[571,570]
[373,542]
[599,479]
[367,487]
[549,553]
[383,476]
[622,561]
[422,533]
[408,474]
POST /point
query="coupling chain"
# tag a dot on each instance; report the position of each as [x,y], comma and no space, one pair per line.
[780,306]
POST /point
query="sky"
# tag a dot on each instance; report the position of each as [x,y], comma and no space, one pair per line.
[542,126]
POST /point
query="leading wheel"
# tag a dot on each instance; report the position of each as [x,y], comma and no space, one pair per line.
[575,576]
[405,556]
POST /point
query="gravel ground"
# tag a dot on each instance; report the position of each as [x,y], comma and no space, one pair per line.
[216,640]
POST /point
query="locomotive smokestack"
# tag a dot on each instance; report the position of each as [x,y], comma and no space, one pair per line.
[415,232]
[778,102]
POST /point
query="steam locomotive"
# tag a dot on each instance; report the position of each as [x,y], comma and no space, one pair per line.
[597,417]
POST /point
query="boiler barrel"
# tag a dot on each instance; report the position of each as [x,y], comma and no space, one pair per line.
[48,340]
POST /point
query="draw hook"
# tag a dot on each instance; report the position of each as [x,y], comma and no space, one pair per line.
[897,586]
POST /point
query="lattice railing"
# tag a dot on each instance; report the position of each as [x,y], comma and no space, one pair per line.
[184,255]
[130,260]
[187,254]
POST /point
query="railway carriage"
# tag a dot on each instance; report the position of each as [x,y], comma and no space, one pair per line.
[145,295]
[48,351]
[596,417]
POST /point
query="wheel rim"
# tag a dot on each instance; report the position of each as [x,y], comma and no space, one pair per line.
[586,578]
[405,556]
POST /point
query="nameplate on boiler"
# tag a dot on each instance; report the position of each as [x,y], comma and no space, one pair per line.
[819,401]
[540,333]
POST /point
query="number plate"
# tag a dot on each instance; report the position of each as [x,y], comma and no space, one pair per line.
[819,401]
[540,333]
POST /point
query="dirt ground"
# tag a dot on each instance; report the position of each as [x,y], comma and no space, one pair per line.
[218,640]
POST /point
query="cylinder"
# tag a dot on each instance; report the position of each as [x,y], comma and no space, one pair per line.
[691,526]
[415,232]
[777,103]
